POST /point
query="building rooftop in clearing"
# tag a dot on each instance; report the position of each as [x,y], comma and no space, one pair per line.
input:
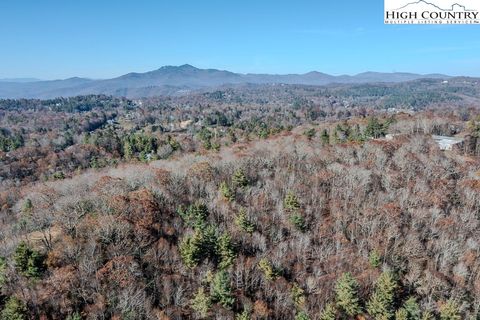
[446,143]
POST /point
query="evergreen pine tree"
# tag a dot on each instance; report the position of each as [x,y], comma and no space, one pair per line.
[412,308]
[14,309]
[3,269]
[302,315]
[267,269]
[450,311]
[242,221]
[226,192]
[329,312]
[401,314]
[325,137]
[297,295]
[225,251]
[346,291]
[310,133]
[239,179]
[375,129]
[245,315]
[201,303]
[291,202]
[195,215]
[28,261]
[191,249]
[427,315]
[374,259]
[221,291]
[210,243]
[381,303]
[128,150]
[298,222]
[74,316]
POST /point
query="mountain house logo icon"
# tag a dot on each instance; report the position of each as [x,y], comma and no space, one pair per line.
[432,12]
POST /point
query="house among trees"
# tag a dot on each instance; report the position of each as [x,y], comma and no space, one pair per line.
[444,142]
[180,126]
[448,143]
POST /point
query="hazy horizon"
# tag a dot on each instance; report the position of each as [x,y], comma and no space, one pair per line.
[33,79]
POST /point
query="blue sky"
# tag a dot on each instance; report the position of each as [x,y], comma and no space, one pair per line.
[52,39]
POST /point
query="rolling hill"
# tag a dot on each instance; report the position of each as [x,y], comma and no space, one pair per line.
[173,80]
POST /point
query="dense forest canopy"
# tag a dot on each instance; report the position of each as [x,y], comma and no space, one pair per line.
[253,202]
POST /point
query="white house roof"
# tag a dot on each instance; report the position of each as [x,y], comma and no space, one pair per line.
[446,143]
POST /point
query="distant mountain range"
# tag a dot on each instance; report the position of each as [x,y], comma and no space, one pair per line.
[174,80]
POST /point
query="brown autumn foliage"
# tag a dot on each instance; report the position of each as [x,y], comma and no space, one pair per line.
[112,234]
[125,253]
